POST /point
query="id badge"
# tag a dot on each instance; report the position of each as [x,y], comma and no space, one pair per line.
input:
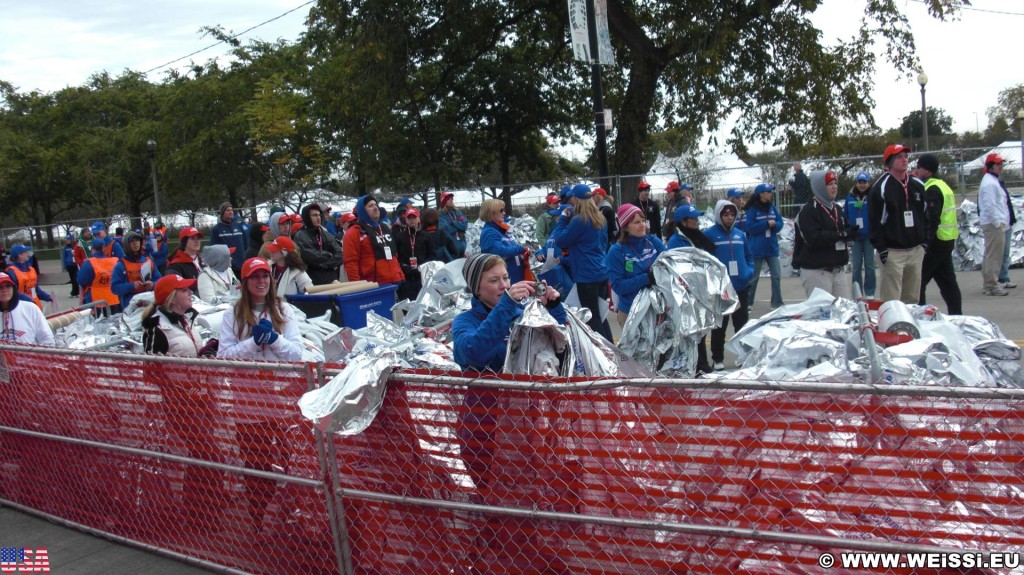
[734,268]
[767,232]
[860,223]
[840,246]
[629,265]
[519,261]
[908,218]
[551,253]
[387,252]
[412,262]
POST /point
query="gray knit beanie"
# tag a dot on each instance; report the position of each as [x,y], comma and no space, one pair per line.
[473,270]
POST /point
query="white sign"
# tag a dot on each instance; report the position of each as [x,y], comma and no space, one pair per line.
[580,32]
[607,119]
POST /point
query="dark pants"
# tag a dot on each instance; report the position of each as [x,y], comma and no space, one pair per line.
[739,319]
[73,275]
[590,294]
[702,355]
[938,266]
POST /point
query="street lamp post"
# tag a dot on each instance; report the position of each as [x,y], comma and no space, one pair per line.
[922,79]
[1020,119]
[151,148]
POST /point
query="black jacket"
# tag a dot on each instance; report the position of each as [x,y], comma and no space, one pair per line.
[820,233]
[887,202]
[424,252]
[319,250]
[652,211]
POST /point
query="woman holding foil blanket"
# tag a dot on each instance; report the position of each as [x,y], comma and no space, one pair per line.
[629,261]
[490,451]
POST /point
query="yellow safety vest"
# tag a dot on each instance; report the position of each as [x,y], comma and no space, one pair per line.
[948,229]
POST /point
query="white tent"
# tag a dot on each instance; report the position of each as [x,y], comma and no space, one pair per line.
[1010,150]
[724,170]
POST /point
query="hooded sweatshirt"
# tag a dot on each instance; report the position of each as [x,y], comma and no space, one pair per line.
[319,249]
[132,268]
[821,231]
[764,239]
[731,249]
[217,280]
[369,250]
[274,223]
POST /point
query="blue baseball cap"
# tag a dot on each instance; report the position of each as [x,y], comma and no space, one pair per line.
[764,188]
[19,249]
[734,193]
[565,192]
[98,244]
[581,191]
[404,201]
[863,177]
[97,227]
[685,187]
[687,211]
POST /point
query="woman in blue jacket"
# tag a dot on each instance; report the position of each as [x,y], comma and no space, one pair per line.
[584,229]
[764,222]
[629,261]
[862,253]
[732,250]
[495,239]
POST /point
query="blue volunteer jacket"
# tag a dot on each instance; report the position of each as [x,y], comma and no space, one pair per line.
[731,246]
[856,211]
[494,240]
[764,241]
[627,263]
[480,337]
[589,245]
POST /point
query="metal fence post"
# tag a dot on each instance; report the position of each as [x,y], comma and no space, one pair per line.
[329,475]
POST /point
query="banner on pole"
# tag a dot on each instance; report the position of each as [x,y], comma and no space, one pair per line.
[580,31]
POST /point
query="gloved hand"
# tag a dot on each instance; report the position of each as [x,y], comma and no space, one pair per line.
[851,231]
[210,349]
[883,255]
[650,277]
[263,333]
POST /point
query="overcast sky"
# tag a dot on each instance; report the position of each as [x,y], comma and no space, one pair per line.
[50,44]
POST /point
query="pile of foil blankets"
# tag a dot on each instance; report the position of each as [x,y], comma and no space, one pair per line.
[690,297]
[820,340]
[523,229]
[970,246]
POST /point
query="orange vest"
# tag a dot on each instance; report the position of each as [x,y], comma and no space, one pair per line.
[134,270]
[27,282]
[103,273]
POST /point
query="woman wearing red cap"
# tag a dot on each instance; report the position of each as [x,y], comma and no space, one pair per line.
[186,261]
[167,322]
[289,269]
[260,325]
[415,247]
[22,321]
[453,222]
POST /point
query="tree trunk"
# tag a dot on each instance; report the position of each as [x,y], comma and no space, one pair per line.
[634,117]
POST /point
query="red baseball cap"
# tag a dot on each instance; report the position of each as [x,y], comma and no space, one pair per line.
[830,177]
[188,232]
[348,217]
[600,192]
[446,197]
[296,218]
[167,284]
[281,243]
[552,199]
[252,265]
[412,213]
[672,186]
[892,150]
[4,278]
[643,186]
[994,159]
[295,228]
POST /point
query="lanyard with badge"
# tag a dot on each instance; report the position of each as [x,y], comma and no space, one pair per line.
[833,215]
[387,248]
[908,214]
[412,249]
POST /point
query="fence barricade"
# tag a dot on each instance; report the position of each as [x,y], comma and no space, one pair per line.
[458,473]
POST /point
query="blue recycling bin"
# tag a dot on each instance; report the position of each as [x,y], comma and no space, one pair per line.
[348,310]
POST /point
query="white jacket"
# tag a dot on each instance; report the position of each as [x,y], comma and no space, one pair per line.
[992,204]
[180,343]
[293,282]
[213,289]
[288,346]
[26,324]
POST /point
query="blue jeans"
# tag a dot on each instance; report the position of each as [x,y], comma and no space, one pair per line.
[1004,271]
[775,269]
[863,255]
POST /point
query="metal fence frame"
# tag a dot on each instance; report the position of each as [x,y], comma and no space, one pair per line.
[317,375]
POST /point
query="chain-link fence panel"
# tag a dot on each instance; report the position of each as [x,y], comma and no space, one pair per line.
[209,460]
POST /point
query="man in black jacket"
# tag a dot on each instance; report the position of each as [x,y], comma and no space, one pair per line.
[801,187]
[318,248]
[940,203]
[651,209]
[898,226]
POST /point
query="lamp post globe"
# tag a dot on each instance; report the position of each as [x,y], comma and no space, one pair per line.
[922,79]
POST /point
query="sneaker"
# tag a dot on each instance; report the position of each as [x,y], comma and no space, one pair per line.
[1009,285]
[719,366]
[996,291]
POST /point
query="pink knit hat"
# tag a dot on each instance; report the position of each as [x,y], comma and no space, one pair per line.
[626,213]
